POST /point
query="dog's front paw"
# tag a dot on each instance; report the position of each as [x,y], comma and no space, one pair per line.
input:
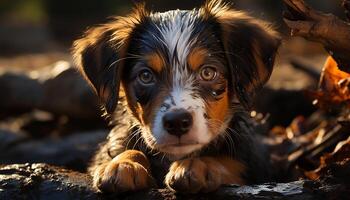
[121,175]
[191,176]
[202,174]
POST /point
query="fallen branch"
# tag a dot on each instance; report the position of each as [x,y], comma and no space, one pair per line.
[317,26]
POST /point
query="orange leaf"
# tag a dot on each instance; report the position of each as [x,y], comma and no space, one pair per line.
[334,86]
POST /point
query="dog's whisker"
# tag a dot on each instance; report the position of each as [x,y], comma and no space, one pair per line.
[163,157]
[140,138]
[135,56]
[225,135]
[156,153]
[117,61]
[133,135]
[232,147]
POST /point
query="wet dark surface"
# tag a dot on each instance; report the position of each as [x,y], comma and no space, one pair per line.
[72,151]
[42,181]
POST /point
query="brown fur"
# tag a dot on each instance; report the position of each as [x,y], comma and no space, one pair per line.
[127,171]
[196,58]
[156,62]
[101,41]
[218,111]
[203,174]
[265,45]
[227,22]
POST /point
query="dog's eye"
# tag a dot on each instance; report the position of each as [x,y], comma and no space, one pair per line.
[208,73]
[146,77]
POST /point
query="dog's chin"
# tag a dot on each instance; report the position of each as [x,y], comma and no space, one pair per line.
[179,150]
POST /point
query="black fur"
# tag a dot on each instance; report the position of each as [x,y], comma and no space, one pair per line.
[234,49]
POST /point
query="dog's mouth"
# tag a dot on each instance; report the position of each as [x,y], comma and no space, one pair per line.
[180,148]
[178,144]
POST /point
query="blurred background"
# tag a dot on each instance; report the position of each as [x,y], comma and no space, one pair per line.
[29,28]
[48,114]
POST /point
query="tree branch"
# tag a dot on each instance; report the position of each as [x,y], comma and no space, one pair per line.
[346,5]
[317,26]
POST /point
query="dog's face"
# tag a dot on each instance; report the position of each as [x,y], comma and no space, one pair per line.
[178,84]
[183,72]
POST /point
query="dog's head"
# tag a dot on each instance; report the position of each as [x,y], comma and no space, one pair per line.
[183,72]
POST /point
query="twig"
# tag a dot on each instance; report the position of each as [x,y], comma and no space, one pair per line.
[333,137]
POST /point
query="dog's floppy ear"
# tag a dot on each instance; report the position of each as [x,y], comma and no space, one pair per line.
[100,54]
[250,47]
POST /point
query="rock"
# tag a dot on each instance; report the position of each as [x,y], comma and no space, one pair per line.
[20,38]
[73,151]
[9,138]
[66,93]
[19,93]
[57,89]
[42,181]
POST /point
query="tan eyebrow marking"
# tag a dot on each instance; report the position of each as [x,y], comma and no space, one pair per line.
[196,58]
[155,61]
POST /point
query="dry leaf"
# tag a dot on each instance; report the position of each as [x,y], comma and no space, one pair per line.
[334,86]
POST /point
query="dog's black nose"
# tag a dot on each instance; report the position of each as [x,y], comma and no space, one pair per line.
[177,122]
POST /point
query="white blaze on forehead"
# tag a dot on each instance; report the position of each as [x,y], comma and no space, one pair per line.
[176,29]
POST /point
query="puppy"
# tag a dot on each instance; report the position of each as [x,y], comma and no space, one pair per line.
[184,80]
